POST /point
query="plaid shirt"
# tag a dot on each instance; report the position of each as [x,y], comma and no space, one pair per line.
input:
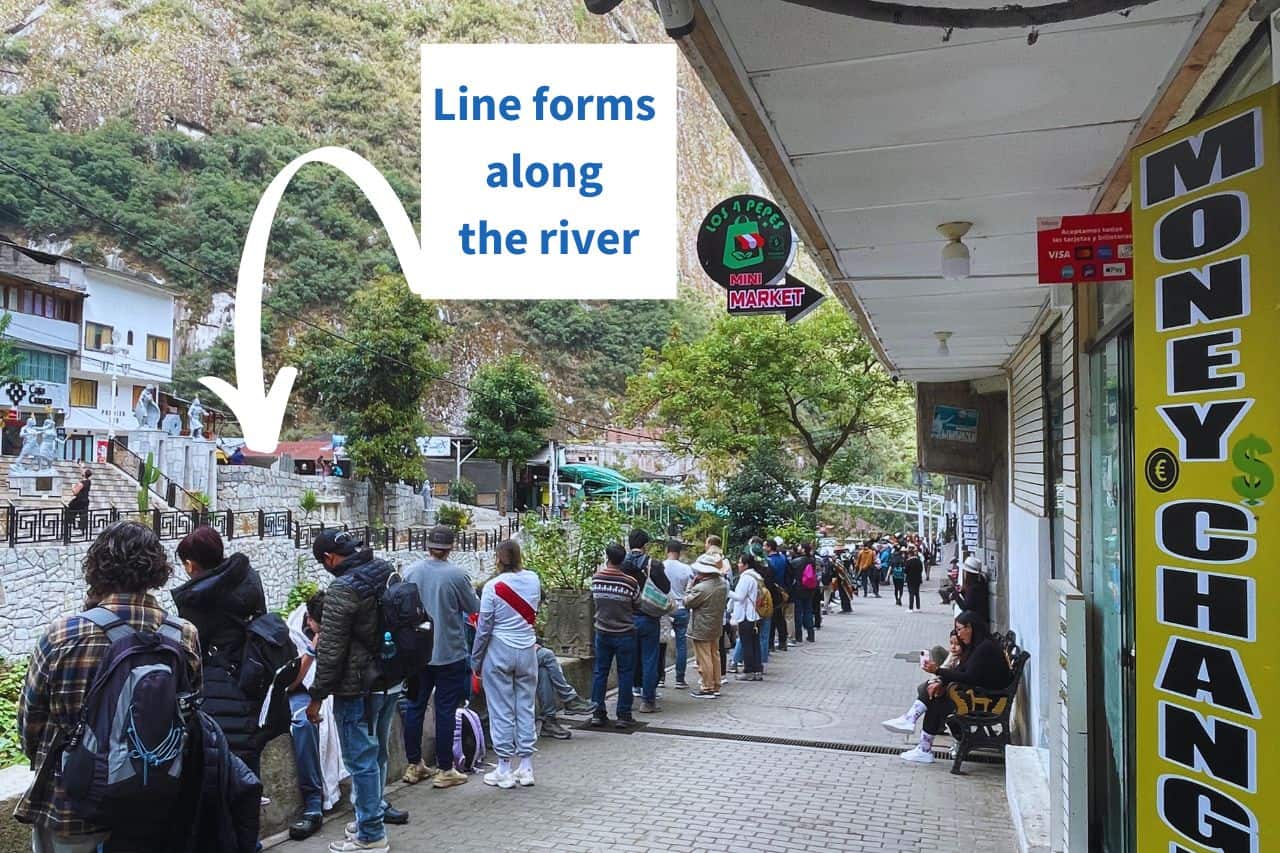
[60,672]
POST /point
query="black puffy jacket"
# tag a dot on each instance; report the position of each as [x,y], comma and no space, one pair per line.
[220,604]
[226,814]
[349,633]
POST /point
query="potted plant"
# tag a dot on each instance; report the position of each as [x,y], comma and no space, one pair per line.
[565,556]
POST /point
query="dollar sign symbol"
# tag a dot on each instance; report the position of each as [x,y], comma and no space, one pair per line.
[1257,479]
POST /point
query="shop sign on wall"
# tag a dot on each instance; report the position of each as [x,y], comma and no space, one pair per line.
[1097,247]
[1207,425]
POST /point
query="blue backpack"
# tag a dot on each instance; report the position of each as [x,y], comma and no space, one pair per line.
[122,764]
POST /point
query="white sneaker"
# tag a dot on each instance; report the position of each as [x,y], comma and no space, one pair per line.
[900,725]
[498,779]
[524,778]
[917,755]
[352,845]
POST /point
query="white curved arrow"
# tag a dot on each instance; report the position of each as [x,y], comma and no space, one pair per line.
[259,411]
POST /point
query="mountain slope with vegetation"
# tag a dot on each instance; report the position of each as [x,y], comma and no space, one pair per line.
[169,117]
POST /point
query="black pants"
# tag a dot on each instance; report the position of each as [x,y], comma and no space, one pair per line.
[728,638]
[913,595]
[817,608]
[936,713]
[749,634]
[846,604]
[778,628]
[897,590]
[875,581]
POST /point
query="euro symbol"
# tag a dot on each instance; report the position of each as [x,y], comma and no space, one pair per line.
[1161,469]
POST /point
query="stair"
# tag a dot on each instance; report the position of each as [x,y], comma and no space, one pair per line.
[111,488]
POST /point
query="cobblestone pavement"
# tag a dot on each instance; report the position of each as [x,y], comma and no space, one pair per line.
[702,791]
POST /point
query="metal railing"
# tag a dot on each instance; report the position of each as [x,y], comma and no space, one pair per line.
[168,491]
[59,525]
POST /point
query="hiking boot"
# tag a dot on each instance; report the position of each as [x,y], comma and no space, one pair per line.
[449,778]
[305,826]
[649,708]
[551,728]
[499,779]
[420,772]
[394,816]
[578,705]
[598,720]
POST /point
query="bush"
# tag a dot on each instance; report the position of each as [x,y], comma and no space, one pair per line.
[564,556]
[453,516]
[299,594]
[463,491]
[12,676]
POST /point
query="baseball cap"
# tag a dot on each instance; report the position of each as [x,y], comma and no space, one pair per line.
[440,537]
[333,542]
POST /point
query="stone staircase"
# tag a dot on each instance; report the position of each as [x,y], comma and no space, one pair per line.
[111,488]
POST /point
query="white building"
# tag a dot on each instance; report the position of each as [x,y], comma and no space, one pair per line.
[126,344]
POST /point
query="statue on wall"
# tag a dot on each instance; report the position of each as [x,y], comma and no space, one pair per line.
[195,418]
[40,447]
[147,412]
[50,447]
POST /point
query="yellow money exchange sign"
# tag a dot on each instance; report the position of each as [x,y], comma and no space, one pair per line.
[1206,217]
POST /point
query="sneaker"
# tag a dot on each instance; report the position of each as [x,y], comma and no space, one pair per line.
[733,668]
[498,779]
[263,802]
[578,705]
[598,720]
[420,772]
[551,727]
[681,684]
[305,827]
[917,755]
[524,778]
[759,676]
[624,722]
[394,816]
[351,845]
[449,778]
[637,691]
[746,676]
[649,708]
[703,694]
[900,725]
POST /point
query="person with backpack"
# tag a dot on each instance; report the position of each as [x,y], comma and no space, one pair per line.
[505,655]
[806,589]
[647,573]
[347,668]
[449,597]
[913,571]
[68,682]
[782,578]
[223,598]
[743,598]
[899,572]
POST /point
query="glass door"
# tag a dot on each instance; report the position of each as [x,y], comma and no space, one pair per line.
[1111,443]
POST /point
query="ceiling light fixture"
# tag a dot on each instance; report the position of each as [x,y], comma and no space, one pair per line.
[942,337]
[955,255]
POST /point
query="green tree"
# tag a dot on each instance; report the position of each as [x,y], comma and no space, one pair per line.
[510,413]
[9,357]
[761,495]
[369,383]
[812,386]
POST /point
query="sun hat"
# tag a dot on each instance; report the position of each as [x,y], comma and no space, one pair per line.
[973,565]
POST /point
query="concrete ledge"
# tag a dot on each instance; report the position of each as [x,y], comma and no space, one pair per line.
[1027,787]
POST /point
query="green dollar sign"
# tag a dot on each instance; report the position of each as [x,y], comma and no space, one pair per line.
[1257,478]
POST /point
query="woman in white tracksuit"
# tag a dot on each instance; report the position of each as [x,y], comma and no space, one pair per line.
[506,657]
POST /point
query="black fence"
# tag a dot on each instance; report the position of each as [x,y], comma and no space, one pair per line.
[134,466]
[54,525]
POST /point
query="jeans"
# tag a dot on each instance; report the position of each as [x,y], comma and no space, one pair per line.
[680,627]
[913,596]
[510,680]
[750,637]
[608,648]
[306,754]
[765,626]
[449,682]
[365,755]
[554,689]
[647,633]
[804,613]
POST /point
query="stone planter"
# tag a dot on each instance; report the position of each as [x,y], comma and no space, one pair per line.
[569,626]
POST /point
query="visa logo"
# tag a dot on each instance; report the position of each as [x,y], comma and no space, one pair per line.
[1059,255]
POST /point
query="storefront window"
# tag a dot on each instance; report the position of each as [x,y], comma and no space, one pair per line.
[1111,474]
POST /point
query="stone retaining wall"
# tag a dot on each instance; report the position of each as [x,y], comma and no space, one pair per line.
[246,487]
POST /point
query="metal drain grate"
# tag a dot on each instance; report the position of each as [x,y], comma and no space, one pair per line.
[865,748]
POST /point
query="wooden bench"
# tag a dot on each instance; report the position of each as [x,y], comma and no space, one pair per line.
[981,717]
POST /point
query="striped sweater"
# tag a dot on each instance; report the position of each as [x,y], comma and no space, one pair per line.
[617,596]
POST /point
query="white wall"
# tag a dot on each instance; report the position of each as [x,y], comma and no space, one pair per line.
[1030,606]
[129,305]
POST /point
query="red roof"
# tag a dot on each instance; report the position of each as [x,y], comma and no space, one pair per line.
[312,448]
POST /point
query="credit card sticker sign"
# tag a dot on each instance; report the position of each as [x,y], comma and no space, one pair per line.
[1090,248]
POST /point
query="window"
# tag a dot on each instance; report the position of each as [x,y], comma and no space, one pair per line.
[97,336]
[40,366]
[84,393]
[129,339]
[157,349]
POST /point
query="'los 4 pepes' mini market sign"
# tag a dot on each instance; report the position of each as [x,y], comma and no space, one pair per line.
[745,245]
[1207,423]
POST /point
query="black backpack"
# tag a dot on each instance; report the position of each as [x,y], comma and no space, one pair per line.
[122,764]
[268,648]
[400,614]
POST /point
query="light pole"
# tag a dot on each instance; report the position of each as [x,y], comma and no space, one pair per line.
[115,350]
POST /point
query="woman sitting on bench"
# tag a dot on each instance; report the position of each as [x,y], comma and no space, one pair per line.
[948,658]
[983,665]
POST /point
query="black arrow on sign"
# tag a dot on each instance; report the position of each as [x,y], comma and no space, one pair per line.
[799,298]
